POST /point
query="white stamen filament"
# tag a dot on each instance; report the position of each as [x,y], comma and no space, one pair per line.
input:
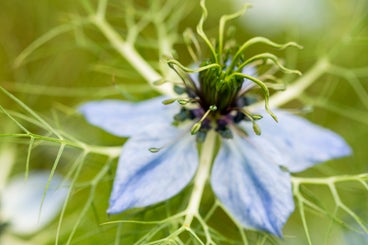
[128,51]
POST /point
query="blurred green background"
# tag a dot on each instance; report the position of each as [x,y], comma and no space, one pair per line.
[80,65]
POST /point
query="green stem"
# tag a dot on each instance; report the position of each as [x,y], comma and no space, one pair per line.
[297,88]
[128,51]
[111,151]
[329,180]
[203,173]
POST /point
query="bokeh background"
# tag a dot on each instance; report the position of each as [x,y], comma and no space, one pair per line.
[79,65]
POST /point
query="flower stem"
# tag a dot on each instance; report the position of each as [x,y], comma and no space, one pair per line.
[329,180]
[128,51]
[205,162]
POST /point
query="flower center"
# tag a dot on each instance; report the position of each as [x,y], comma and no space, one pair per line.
[216,94]
[218,88]
[215,100]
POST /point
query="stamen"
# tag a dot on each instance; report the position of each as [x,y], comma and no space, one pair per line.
[186,101]
[264,89]
[284,169]
[256,128]
[213,108]
[253,118]
[154,149]
[169,101]
[197,126]
[181,101]
[257,117]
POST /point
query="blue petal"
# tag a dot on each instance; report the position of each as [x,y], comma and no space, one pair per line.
[22,201]
[125,118]
[297,143]
[253,190]
[144,178]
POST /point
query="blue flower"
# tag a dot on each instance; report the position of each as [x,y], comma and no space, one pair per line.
[248,174]
[25,206]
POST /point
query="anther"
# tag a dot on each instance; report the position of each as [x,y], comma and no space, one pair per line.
[213,108]
[253,119]
[169,101]
[154,149]
[197,126]
[257,117]
[183,101]
[256,128]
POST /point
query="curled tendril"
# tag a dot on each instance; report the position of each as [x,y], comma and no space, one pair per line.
[256,40]
[200,31]
[223,20]
[172,62]
[190,38]
[264,88]
[273,58]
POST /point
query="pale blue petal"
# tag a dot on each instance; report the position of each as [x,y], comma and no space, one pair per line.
[126,118]
[297,143]
[144,178]
[252,189]
[22,202]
